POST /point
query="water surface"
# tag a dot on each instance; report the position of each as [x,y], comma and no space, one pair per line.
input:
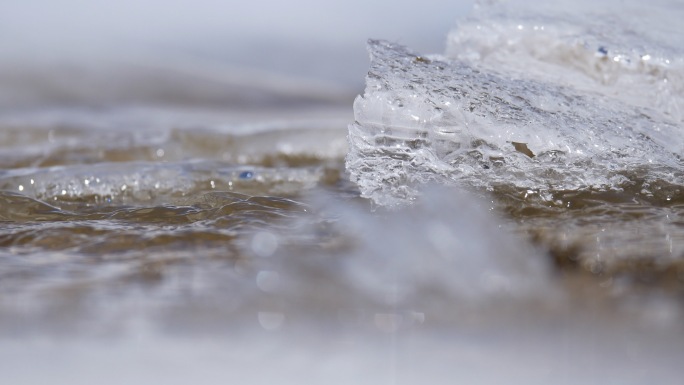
[178,227]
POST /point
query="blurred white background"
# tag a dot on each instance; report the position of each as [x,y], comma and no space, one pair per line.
[320,42]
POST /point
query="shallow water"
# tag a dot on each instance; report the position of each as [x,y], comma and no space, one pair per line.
[249,248]
[162,238]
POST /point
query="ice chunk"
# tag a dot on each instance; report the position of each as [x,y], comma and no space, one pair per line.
[634,55]
[427,119]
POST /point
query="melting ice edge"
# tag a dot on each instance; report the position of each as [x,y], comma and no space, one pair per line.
[432,119]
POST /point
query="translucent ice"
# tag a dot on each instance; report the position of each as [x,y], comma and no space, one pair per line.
[634,55]
[431,118]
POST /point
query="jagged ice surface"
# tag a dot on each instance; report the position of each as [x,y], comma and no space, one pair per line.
[425,119]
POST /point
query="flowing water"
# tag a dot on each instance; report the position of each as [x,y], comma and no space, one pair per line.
[509,211]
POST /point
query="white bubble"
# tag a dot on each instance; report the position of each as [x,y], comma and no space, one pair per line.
[264,244]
